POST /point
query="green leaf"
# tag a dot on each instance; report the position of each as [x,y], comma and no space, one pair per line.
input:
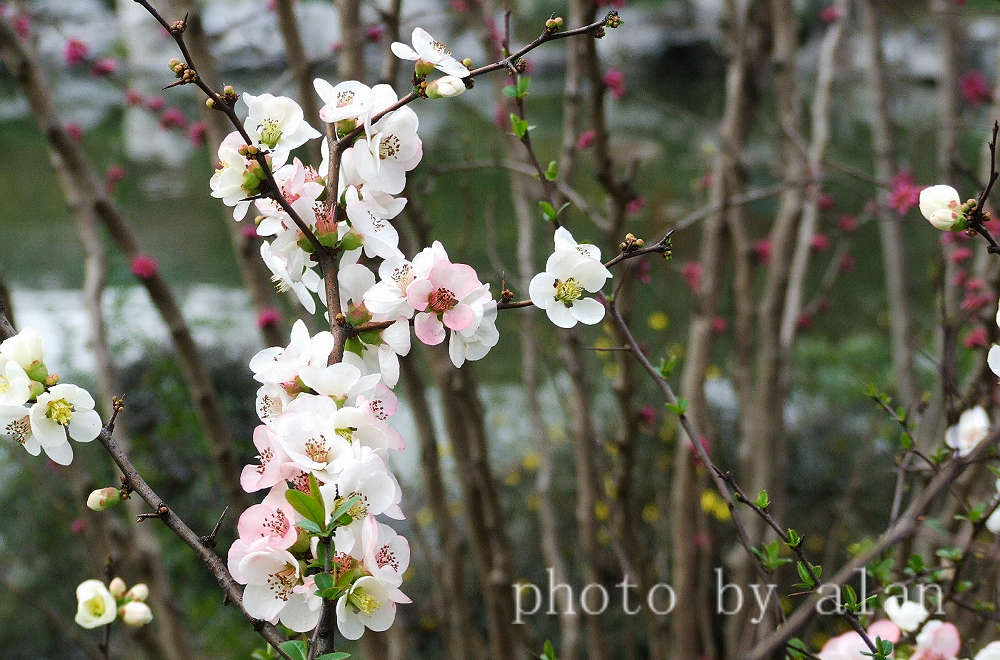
[547,210]
[351,241]
[309,526]
[510,91]
[679,408]
[323,581]
[667,366]
[563,207]
[807,580]
[342,510]
[552,171]
[354,345]
[518,126]
[953,554]
[296,648]
[339,655]
[793,538]
[523,83]
[548,653]
[305,505]
[763,501]
[371,337]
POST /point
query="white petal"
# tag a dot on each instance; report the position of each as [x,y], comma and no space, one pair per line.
[588,311]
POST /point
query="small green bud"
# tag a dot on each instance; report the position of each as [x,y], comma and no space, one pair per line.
[37,389]
[422,67]
[104,498]
[37,371]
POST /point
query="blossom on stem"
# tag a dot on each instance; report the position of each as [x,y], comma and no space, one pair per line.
[429,54]
[369,603]
[942,207]
[569,272]
[95,606]
[135,613]
[908,615]
[973,426]
[277,122]
[937,641]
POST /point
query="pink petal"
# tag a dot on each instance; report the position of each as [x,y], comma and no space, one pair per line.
[459,317]
[428,329]
[417,293]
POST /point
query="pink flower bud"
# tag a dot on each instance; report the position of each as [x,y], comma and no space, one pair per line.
[134,97]
[104,66]
[691,271]
[762,251]
[719,325]
[847,223]
[144,266]
[135,613]
[173,118]
[974,88]
[104,498]
[268,317]
[830,14]
[586,139]
[156,103]
[960,254]
[138,592]
[75,131]
[614,80]
[635,204]
[374,32]
[196,133]
[117,587]
[75,51]
[975,338]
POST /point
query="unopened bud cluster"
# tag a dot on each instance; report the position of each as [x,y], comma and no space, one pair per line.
[99,605]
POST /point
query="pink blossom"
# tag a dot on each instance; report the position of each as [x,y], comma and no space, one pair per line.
[719,325]
[23,25]
[114,174]
[830,14]
[75,52]
[647,415]
[960,254]
[805,321]
[268,472]
[976,302]
[614,80]
[975,338]
[586,139]
[144,266]
[762,251]
[134,97]
[905,192]
[851,645]
[77,526]
[273,519]
[819,242]
[74,130]
[439,298]
[173,118]
[847,223]
[268,317]
[974,88]
[992,225]
[937,641]
[196,133]
[691,271]
[635,204]
[974,284]
[104,66]
[249,231]
[960,278]
[643,270]
[374,32]
[461,6]
[826,202]
[156,103]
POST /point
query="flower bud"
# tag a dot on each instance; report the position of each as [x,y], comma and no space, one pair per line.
[117,587]
[104,498]
[445,88]
[138,592]
[37,371]
[942,207]
[210,103]
[422,67]
[52,380]
[95,606]
[135,613]
[467,63]
[37,389]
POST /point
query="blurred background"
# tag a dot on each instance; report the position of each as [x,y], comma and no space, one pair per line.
[663,93]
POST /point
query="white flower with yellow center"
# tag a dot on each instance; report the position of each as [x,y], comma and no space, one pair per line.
[64,410]
[346,100]
[570,272]
[271,575]
[972,428]
[228,180]
[390,150]
[95,606]
[277,123]
[369,603]
[24,348]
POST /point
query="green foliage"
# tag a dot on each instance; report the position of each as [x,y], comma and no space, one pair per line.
[768,555]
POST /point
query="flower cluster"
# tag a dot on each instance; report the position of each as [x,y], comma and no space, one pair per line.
[98,605]
[324,440]
[36,410]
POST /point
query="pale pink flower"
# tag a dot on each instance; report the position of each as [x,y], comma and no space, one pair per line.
[440,300]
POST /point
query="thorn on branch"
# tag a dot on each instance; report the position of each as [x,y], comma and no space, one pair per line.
[161,511]
[209,541]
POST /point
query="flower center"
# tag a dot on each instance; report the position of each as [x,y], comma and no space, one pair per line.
[95,606]
[4,385]
[269,406]
[403,275]
[270,132]
[60,411]
[441,300]
[364,601]
[360,508]
[276,524]
[19,429]
[344,98]
[317,450]
[567,291]
[378,410]
[386,557]
[264,457]
[440,48]
[389,147]
[282,582]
